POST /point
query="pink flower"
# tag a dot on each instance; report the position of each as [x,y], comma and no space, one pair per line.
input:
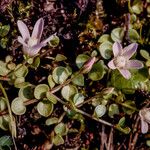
[88,65]
[31,44]
[121,60]
[145,119]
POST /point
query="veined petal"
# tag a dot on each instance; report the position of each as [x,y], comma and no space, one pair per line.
[35,49]
[111,65]
[144,126]
[117,49]
[21,40]
[125,73]
[46,40]
[129,50]
[38,29]
[23,29]
[134,64]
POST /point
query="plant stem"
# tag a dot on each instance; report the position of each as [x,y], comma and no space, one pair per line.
[96,119]
[12,122]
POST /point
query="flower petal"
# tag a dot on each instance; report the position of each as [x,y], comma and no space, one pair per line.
[35,49]
[117,49]
[134,64]
[21,40]
[144,126]
[126,74]
[46,40]
[129,50]
[111,65]
[23,29]
[38,29]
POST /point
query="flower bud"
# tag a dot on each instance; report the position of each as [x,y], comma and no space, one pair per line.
[88,65]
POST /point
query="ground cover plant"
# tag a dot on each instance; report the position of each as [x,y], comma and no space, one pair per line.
[74,74]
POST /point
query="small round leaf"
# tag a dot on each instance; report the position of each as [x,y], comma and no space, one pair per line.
[81,59]
[58,140]
[60,74]
[68,91]
[78,80]
[78,99]
[105,50]
[113,110]
[40,91]
[61,129]
[21,70]
[45,108]
[100,110]
[117,34]
[17,106]
[51,121]
[97,71]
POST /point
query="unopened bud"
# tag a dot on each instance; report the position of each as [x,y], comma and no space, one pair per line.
[88,65]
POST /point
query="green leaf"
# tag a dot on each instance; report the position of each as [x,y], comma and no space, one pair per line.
[4,30]
[78,80]
[40,91]
[144,54]
[45,108]
[129,104]
[105,50]
[3,104]
[18,107]
[121,122]
[148,143]
[36,62]
[58,140]
[26,93]
[117,34]
[51,121]
[60,74]
[20,82]
[51,81]
[3,69]
[60,57]
[133,35]
[4,122]
[81,59]
[78,99]
[21,70]
[113,110]
[54,41]
[68,91]
[61,129]
[129,86]
[100,110]
[104,38]
[6,141]
[51,97]
[3,42]
[137,7]
[97,71]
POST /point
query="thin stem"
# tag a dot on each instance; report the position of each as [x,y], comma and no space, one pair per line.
[12,122]
[96,119]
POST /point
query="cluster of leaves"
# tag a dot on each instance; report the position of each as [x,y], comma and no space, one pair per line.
[68,86]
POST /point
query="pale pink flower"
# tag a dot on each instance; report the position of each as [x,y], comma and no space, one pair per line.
[31,44]
[88,65]
[121,60]
[145,119]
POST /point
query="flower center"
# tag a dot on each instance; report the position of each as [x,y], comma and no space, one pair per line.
[32,42]
[120,61]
